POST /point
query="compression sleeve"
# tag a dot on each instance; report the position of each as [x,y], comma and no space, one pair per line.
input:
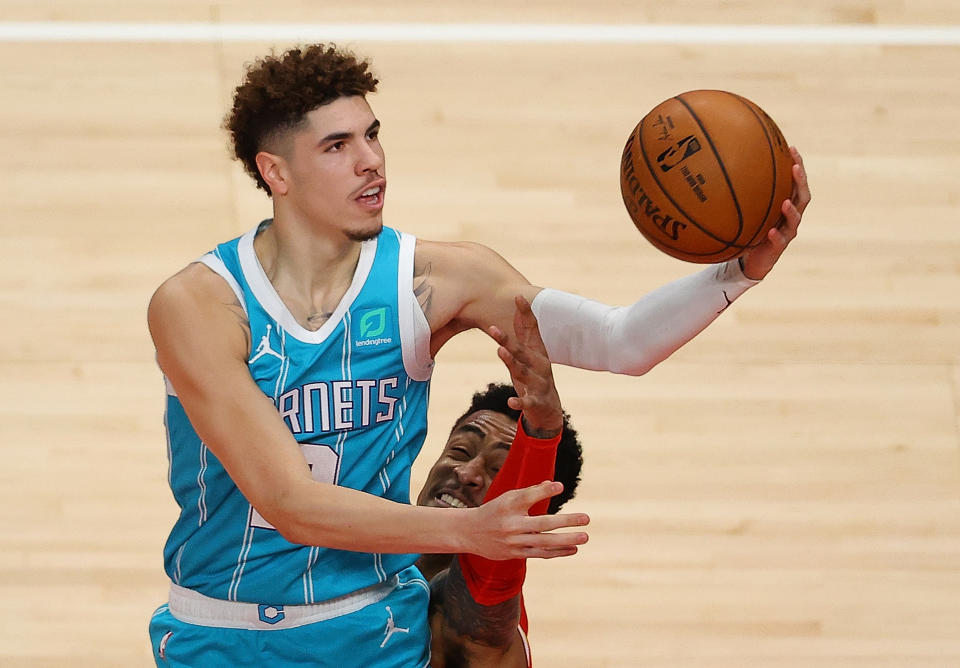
[529,462]
[633,339]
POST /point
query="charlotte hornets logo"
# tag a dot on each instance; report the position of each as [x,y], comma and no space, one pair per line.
[374,327]
[271,614]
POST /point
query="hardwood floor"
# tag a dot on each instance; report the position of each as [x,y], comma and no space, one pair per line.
[784,491]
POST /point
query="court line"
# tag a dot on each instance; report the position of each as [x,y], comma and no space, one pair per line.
[66,31]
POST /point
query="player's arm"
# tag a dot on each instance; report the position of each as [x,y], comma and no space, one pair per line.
[479,611]
[462,286]
[468,634]
[478,616]
[202,343]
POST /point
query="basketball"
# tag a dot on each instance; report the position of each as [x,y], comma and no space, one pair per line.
[704,175]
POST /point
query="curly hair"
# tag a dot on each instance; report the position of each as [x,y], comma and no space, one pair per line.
[279,91]
[569,451]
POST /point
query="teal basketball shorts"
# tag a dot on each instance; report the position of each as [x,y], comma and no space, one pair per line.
[384,626]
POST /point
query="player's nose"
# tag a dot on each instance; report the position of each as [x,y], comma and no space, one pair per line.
[370,159]
[471,472]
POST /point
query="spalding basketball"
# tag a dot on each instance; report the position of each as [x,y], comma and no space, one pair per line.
[704,175]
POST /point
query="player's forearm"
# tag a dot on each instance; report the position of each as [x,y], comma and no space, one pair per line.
[338,517]
[529,461]
[633,339]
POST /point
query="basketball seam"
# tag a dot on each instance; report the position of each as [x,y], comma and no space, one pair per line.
[723,170]
[773,162]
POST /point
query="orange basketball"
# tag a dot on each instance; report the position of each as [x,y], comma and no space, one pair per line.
[704,175]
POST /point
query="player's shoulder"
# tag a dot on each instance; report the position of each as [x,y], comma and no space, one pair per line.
[193,286]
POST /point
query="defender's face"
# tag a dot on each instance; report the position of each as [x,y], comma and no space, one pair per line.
[471,458]
[336,169]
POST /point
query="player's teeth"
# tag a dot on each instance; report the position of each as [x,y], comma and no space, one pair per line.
[371,191]
[452,501]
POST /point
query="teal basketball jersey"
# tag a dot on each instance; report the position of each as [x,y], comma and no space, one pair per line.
[353,394]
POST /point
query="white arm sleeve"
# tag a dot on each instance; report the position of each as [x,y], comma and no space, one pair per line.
[633,339]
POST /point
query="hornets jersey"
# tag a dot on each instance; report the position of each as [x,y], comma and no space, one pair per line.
[353,394]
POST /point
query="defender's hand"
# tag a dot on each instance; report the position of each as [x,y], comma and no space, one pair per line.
[525,357]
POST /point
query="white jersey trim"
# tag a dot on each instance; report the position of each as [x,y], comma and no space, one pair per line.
[414,328]
[266,294]
[219,268]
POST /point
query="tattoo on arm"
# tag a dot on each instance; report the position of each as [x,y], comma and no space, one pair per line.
[423,289]
[489,625]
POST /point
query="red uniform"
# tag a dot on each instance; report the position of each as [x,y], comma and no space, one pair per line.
[529,462]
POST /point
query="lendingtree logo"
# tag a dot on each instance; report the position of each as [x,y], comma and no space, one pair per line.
[373,322]
[372,327]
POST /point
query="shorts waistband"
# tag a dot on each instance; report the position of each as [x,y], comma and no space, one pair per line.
[194,608]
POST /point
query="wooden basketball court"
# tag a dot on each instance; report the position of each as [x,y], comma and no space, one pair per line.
[784,491]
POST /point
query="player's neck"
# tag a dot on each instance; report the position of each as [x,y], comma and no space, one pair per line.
[310,272]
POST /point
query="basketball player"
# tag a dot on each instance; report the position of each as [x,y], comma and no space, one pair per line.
[477,616]
[297,359]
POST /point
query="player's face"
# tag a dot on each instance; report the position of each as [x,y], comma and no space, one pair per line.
[471,458]
[336,169]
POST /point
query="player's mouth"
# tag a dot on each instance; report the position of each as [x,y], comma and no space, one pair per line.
[449,500]
[371,197]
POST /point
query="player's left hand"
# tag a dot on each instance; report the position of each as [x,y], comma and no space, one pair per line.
[525,357]
[758,261]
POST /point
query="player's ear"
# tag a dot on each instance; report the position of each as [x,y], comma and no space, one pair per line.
[273,169]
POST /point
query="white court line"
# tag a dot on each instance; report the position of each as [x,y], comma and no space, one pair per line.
[57,31]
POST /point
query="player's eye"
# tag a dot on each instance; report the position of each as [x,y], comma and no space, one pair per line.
[335,147]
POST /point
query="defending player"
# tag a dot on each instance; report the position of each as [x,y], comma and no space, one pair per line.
[298,358]
[477,614]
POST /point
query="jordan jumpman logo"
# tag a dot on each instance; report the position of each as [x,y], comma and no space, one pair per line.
[391,628]
[264,347]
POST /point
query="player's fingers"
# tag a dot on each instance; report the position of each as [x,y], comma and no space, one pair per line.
[801,191]
[524,313]
[795,154]
[497,334]
[549,542]
[503,350]
[519,369]
[528,496]
[791,223]
[511,354]
[507,358]
[542,524]
[525,310]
